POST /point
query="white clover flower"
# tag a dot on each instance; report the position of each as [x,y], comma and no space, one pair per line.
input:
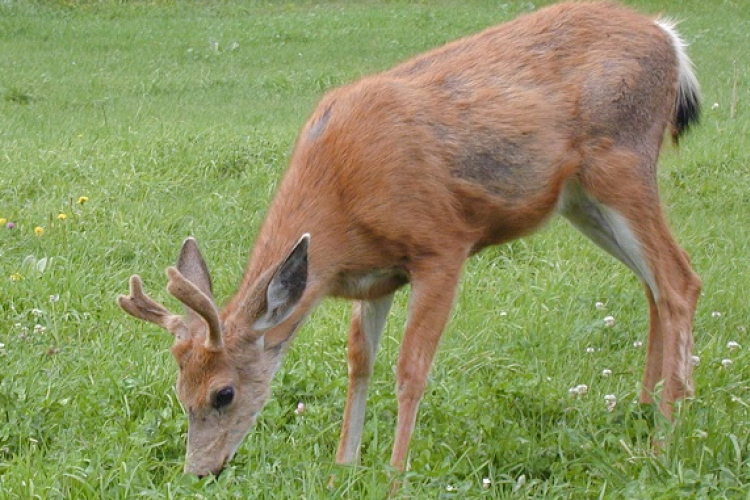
[300,408]
[600,306]
[486,483]
[732,345]
[606,372]
[715,105]
[611,401]
[609,321]
[54,298]
[450,488]
[39,329]
[590,350]
[578,390]
[726,363]
[695,360]
[716,314]
[637,344]
[37,312]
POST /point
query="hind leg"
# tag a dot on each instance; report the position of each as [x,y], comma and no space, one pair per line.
[655,356]
[615,204]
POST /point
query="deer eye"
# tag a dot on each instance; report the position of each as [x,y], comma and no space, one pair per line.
[223,398]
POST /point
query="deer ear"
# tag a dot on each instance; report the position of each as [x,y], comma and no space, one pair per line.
[286,287]
[192,266]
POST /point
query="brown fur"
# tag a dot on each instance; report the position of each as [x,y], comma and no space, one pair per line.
[401,176]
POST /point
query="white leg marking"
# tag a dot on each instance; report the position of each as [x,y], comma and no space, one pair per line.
[608,229]
[373,314]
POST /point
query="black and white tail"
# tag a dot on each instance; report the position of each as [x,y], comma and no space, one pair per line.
[688,107]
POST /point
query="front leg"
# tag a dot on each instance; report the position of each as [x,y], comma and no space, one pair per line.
[432,296]
[368,321]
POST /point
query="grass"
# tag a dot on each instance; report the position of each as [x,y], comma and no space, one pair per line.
[177,118]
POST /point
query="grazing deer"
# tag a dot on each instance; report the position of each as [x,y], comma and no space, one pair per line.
[399,177]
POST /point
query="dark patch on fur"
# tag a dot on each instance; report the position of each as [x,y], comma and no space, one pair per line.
[502,169]
[484,167]
[457,87]
[317,128]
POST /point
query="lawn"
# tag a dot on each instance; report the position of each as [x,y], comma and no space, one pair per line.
[127,126]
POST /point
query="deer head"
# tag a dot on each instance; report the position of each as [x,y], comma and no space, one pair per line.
[226,363]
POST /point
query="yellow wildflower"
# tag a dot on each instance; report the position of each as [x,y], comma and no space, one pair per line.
[16,277]
[39,230]
[82,200]
[3,220]
[61,216]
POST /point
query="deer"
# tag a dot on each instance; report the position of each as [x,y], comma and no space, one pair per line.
[399,177]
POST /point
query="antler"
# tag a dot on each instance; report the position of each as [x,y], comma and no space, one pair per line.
[141,306]
[190,295]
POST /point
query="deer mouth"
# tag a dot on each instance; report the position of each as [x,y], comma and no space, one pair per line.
[202,472]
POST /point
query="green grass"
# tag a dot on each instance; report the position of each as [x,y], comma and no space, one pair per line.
[177,118]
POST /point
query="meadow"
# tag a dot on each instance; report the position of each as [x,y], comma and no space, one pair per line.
[127,126]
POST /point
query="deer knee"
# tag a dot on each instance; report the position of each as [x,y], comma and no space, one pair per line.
[411,380]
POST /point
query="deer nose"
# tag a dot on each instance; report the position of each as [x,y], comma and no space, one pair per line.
[205,472]
[216,473]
